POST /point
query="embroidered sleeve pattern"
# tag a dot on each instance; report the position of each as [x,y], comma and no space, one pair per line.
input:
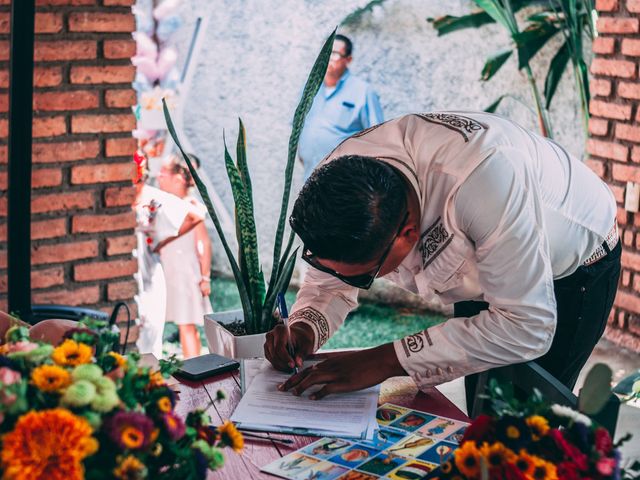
[315,320]
[432,241]
[416,343]
[463,125]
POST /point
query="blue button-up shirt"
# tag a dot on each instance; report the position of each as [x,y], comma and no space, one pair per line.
[335,115]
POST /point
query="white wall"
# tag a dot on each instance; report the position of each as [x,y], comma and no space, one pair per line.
[258,52]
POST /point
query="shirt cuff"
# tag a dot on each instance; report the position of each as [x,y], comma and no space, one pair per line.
[316,320]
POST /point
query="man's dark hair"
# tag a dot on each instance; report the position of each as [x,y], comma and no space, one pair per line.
[350,209]
[348,46]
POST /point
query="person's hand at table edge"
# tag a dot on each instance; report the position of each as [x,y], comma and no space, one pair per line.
[275,347]
[347,372]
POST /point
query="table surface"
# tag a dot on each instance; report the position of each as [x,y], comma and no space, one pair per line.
[258,453]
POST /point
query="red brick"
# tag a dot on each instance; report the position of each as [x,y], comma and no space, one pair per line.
[4,51]
[121,147]
[46,177]
[103,74]
[606,5]
[626,278]
[62,201]
[65,2]
[123,3]
[631,47]
[633,6]
[631,260]
[49,126]
[101,22]
[102,173]
[617,25]
[610,110]
[3,154]
[119,48]
[604,45]
[622,216]
[625,173]
[119,196]
[120,98]
[629,90]
[3,259]
[78,296]
[597,166]
[4,127]
[598,126]
[78,100]
[618,194]
[611,150]
[121,245]
[48,228]
[47,277]
[600,87]
[621,319]
[635,154]
[627,132]
[613,68]
[628,301]
[63,252]
[122,290]
[47,76]
[104,270]
[103,223]
[103,123]
[627,238]
[65,50]
[65,152]
[4,78]
[48,22]
[4,103]
[3,208]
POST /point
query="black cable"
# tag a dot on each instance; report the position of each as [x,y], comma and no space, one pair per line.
[114,317]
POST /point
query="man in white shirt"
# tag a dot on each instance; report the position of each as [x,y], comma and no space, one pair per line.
[519,235]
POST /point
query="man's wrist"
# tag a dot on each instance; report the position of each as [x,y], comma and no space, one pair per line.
[389,361]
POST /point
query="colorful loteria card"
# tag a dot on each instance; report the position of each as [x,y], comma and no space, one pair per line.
[291,465]
[384,438]
[411,446]
[322,471]
[354,456]
[356,475]
[413,421]
[456,437]
[388,413]
[439,453]
[327,447]
[412,470]
[382,464]
[441,428]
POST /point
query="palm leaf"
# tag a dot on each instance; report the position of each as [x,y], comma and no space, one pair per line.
[496,11]
[556,69]
[244,296]
[494,106]
[355,16]
[532,39]
[494,63]
[449,23]
[314,80]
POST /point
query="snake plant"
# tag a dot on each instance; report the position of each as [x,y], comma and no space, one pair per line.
[257,297]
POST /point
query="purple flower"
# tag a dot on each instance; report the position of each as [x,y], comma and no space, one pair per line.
[130,430]
[174,424]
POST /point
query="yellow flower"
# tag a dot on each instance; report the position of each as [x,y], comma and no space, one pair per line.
[131,437]
[156,379]
[49,444]
[446,467]
[513,432]
[121,361]
[543,470]
[50,378]
[538,425]
[164,404]
[230,436]
[467,459]
[130,468]
[496,454]
[72,353]
[525,462]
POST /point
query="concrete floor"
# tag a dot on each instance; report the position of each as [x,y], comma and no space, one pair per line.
[622,362]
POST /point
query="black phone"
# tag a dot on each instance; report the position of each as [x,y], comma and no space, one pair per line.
[205,366]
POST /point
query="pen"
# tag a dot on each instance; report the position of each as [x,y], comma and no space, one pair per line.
[282,306]
[285,441]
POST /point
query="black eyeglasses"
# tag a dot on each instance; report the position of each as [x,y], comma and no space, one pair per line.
[336,53]
[363,281]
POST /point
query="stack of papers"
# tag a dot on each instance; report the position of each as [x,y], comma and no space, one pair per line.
[265,408]
[409,445]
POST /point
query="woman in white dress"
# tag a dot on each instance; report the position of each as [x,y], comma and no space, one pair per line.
[186,263]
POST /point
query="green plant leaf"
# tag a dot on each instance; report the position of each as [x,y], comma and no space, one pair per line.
[532,39]
[272,292]
[314,80]
[494,63]
[280,286]
[355,16]
[554,74]
[496,11]
[494,106]
[241,156]
[596,390]
[449,23]
[244,296]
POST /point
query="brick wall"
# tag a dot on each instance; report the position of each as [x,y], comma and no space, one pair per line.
[82,223]
[614,145]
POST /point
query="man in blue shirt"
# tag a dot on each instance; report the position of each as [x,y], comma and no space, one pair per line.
[343,106]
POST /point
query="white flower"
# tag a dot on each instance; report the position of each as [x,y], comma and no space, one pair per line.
[562,411]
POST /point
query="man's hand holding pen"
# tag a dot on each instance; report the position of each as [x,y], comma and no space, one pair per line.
[301,339]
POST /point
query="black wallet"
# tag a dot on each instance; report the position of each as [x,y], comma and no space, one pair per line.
[205,366]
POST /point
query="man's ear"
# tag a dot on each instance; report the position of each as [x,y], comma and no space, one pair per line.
[410,233]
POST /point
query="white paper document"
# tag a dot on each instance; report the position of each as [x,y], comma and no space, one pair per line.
[264,407]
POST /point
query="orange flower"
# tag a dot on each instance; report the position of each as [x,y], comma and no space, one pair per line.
[496,454]
[525,462]
[230,436]
[121,361]
[132,437]
[72,353]
[156,379]
[48,444]
[50,378]
[539,426]
[543,470]
[467,459]
[130,468]
[164,404]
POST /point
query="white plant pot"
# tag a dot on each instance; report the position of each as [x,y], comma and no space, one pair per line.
[223,342]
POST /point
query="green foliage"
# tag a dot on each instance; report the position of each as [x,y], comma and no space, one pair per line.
[355,16]
[596,390]
[258,301]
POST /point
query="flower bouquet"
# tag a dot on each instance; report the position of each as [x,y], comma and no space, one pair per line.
[533,440]
[81,410]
